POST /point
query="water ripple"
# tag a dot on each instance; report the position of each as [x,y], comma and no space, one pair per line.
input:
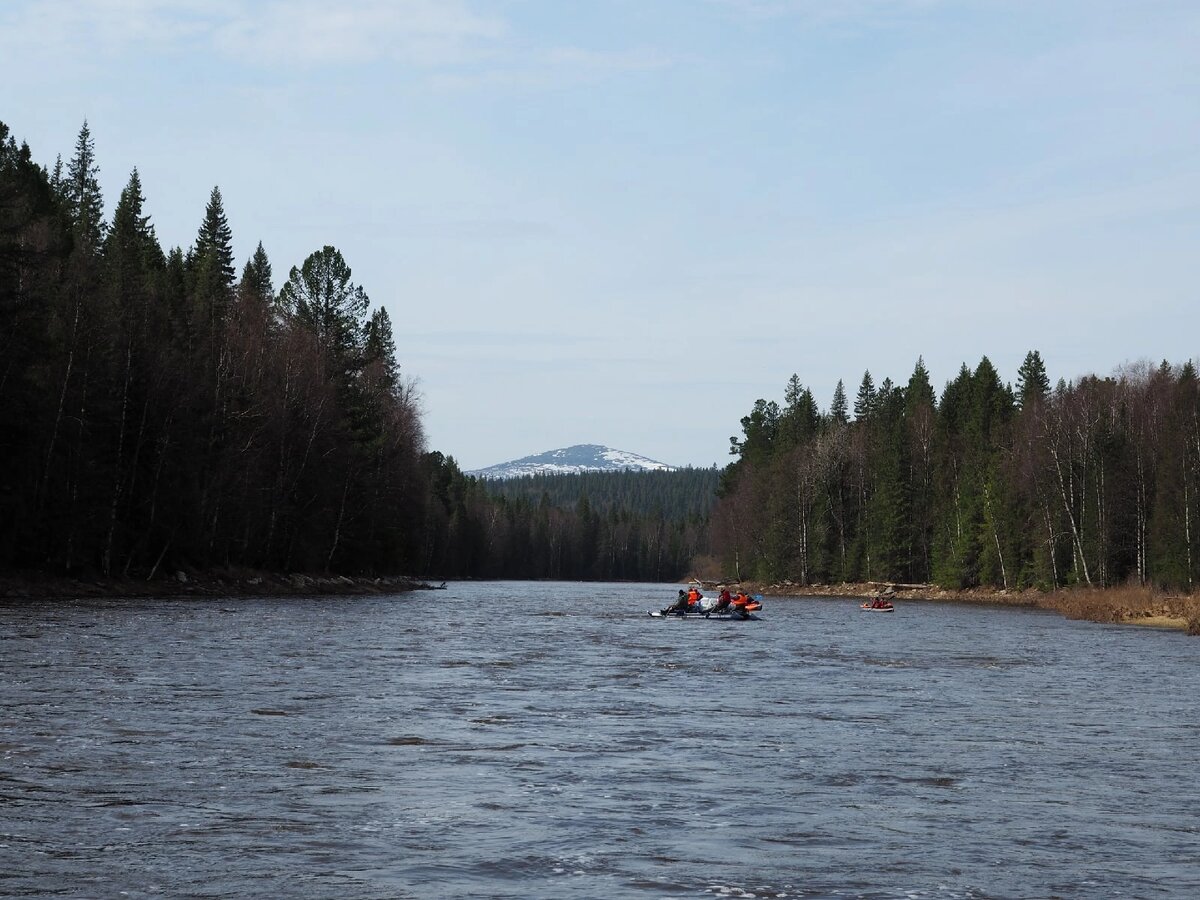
[342,747]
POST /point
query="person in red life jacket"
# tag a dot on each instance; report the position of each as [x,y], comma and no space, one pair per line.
[724,599]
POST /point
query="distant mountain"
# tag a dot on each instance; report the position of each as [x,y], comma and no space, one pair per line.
[572,460]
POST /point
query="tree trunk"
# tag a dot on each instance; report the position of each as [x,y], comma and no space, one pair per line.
[117,474]
[1076,538]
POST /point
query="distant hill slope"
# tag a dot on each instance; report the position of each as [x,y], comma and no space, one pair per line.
[572,461]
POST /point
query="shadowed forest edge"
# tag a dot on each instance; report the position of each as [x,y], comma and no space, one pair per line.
[160,416]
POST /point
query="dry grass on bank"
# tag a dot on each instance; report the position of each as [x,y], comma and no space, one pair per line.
[1129,604]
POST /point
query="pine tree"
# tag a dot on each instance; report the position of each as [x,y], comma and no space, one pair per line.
[792,391]
[322,299]
[760,428]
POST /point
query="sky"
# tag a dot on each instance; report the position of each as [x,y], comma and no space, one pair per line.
[622,222]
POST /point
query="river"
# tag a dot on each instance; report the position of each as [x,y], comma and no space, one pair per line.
[551,740]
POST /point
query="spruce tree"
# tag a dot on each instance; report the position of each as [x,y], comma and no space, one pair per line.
[214,243]
[800,418]
[380,346]
[919,417]
[131,257]
[58,180]
[1032,382]
[130,245]
[256,277]
[864,403]
[85,205]
[839,408]
[210,264]
[919,391]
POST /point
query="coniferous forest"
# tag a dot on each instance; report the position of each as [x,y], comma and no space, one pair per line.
[605,526]
[1095,482]
[160,410]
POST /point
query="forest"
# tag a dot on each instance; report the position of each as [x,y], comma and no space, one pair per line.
[1092,482]
[160,412]
[604,526]
[677,494]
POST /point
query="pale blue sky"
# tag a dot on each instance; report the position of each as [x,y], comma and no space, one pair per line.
[623,222]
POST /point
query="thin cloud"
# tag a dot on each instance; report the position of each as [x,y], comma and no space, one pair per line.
[455,44]
[427,33]
[828,11]
[554,67]
[601,61]
[112,26]
[305,32]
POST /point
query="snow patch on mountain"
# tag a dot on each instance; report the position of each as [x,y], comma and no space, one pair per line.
[572,460]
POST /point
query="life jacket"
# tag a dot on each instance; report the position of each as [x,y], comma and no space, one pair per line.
[741,599]
[693,596]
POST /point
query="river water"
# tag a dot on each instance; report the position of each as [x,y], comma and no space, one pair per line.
[551,740]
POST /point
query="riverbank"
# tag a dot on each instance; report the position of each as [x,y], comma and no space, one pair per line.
[1121,605]
[226,583]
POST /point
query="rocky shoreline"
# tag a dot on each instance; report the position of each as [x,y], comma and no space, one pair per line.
[37,585]
[1122,605]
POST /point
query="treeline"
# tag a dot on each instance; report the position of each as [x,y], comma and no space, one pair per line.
[157,411]
[677,494]
[479,529]
[1094,482]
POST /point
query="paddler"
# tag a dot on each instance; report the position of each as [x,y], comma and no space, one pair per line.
[740,601]
[724,599]
[680,606]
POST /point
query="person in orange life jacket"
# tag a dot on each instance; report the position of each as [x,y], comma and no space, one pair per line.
[694,596]
[740,601]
